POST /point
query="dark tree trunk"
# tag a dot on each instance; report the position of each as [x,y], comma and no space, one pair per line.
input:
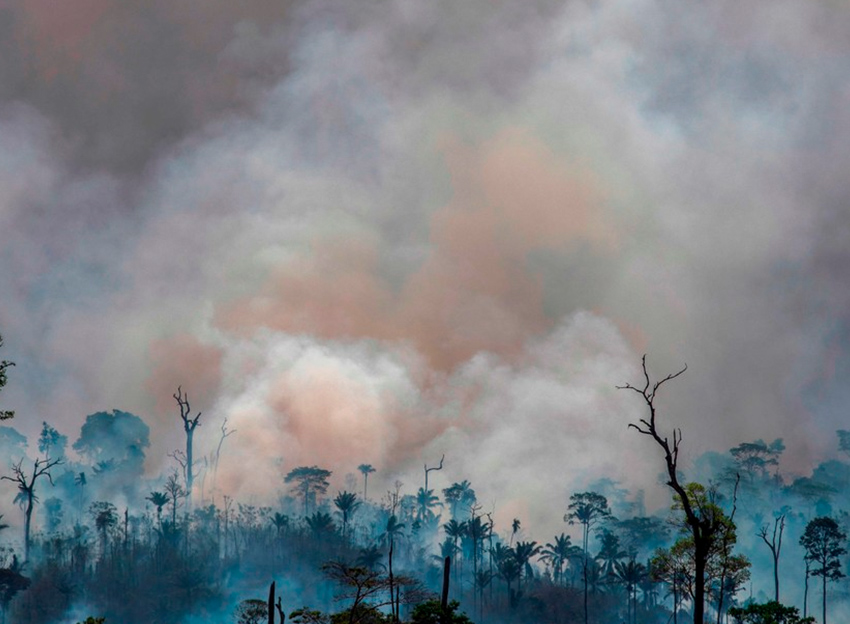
[806,594]
[444,602]
[190,477]
[700,559]
[27,524]
[585,573]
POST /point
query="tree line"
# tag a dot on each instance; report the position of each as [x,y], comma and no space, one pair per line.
[99,539]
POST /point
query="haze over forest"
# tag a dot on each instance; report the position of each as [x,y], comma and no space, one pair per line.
[383,232]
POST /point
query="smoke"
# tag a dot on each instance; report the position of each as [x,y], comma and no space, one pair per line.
[384,233]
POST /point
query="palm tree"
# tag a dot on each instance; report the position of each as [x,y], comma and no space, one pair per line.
[507,567]
[347,503]
[459,494]
[369,558]
[105,517]
[280,522]
[159,500]
[630,575]
[523,552]
[455,531]
[515,527]
[557,553]
[394,527]
[476,532]
[610,552]
[366,470]
[426,500]
[320,523]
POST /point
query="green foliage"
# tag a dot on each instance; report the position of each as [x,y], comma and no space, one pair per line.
[430,612]
[824,544]
[304,615]
[5,364]
[362,614]
[768,613]
[93,620]
[252,611]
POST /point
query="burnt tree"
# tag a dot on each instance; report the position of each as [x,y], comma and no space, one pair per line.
[189,426]
[704,529]
[26,490]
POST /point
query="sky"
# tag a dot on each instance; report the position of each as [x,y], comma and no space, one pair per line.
[384,231]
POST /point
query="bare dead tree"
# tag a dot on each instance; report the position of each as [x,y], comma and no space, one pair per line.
[427,470]
[224,433]
[26,490]
[189,426]
[775,545]
[703,528]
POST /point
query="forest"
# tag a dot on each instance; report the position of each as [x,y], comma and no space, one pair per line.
[96,540]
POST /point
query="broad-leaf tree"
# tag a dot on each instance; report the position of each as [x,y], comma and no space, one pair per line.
[310,483]
[824,542]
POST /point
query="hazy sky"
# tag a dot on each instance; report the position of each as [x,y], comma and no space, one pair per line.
[386,230]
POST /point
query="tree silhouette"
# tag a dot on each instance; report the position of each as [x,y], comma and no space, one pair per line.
[189,425]
[280,522]
[557,553]
[824,544]
[610,551]
[432,468]
[703,528]
[459,495]
[175,492]
[50,439]
[775,546]
[365,470]
[586,509]
[4,365]
[426,501]
[26,490]
[523,552]
[105,516]
[347,504]
[769,613]
[629,575]
[311,482]
[159,500]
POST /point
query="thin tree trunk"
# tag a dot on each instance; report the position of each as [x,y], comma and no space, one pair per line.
[700,558]
[824,596]
[806,593]
[190,477]
[585,572]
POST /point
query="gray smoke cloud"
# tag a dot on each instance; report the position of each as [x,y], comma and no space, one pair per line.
[383,232]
